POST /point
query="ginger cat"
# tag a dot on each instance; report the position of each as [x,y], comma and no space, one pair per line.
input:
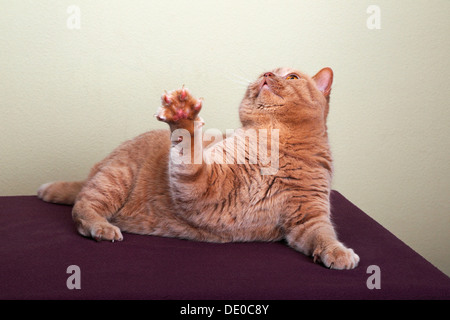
[142,187]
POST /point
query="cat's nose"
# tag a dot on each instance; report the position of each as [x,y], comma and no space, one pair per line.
[268,74]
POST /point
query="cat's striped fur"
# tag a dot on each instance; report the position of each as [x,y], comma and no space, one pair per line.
[140,188]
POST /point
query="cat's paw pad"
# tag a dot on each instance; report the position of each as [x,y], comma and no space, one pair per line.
[106,231]
[178,105]
[337,257]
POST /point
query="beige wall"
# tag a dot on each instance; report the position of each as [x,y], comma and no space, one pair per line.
[67,97]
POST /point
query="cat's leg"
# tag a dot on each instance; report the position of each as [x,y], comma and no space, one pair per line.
[180,111]
[100,199]
[64,192]
[188,175]
[310,231]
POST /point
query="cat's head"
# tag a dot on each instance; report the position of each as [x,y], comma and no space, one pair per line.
[287,96]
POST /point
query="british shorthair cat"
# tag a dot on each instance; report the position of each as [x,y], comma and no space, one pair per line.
[143,187]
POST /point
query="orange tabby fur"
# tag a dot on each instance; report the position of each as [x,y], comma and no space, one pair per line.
[139,188]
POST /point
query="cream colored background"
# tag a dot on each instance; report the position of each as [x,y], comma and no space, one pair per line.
[68,97]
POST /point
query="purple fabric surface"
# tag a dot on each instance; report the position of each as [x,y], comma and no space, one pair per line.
[38,242]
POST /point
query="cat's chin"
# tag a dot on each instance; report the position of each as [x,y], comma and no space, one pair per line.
[268,97]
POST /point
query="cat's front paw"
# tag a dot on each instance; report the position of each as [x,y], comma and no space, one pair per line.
[179,105]
[106,231]
[337,256]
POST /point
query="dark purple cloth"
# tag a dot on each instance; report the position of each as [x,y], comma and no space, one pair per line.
[38,242]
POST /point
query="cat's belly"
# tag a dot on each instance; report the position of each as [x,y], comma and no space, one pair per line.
[257,233]
[154,218]
[235,225]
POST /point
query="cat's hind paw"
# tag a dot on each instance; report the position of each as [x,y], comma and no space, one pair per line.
[179,105]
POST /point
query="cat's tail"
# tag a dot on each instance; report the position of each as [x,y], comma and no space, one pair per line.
[63,192]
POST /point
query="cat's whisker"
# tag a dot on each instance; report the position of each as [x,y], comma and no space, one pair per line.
[241,78]
[243,85]
[234,76]
[240,82]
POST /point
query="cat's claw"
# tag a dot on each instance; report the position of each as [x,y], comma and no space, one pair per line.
[336,257]
[198,105]
[183,94]
[166,100]
[106,231]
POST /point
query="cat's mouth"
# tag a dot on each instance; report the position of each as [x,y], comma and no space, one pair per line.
[264,85]
[267,85]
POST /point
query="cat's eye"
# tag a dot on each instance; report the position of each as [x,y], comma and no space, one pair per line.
[292,77]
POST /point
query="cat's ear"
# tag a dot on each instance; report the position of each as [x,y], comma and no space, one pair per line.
[323,80]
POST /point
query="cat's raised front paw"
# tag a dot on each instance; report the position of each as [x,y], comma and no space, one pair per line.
[337,256]
[179,105]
